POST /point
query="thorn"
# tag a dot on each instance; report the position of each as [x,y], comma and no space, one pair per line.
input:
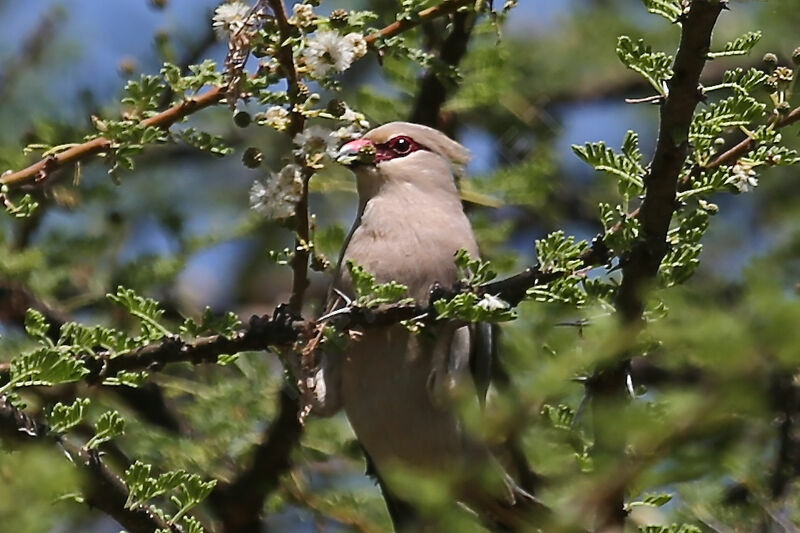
[654,99]
[343,296]
[332,314]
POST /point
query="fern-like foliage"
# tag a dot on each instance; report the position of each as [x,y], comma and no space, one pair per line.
[738,47]
[627,166]
[146,309]
[669,9]
[655,67]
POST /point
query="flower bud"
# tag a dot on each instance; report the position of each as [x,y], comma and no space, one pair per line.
[339,18]
[770,61]
[303,92]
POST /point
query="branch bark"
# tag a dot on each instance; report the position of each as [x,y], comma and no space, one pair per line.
[608,385]
[432,91]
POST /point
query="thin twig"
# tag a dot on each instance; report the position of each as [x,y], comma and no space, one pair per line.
[41,170]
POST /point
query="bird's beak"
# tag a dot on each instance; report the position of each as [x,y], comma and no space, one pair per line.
[360,151]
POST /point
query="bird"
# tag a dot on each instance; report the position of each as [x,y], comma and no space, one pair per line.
[397,388]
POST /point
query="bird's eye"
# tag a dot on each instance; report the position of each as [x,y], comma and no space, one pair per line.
[400,145]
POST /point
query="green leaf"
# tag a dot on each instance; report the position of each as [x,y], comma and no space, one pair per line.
[226,324]
[65,417]
[626,167]
[619,230]
[674,528]
[144,94]
[669,9]
[559,253]
[651,500]
[470,307]
[369,293]
[146,309]
[22,208]
[655,67]
[744,81]
[204,141]
[142,487]
[128,379]
[706,126]
[683,256]
[473,272]
[108,426]
[36,326]
[45,366]
[560,416]
[738,47]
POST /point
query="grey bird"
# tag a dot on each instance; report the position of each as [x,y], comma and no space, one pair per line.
[396,387]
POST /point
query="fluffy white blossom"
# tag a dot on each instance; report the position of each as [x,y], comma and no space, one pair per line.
[302,15]
[492,303]
[743,177]
[355,124]
[327,50]
[315,140]
[277,197]
[229,18]
[276,117]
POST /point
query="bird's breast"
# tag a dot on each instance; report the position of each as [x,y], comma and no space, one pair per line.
[411,239]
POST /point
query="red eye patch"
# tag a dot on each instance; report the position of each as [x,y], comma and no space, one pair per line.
[395,147]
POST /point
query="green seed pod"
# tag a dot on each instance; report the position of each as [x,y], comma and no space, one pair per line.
[336,107]
[252,157]
[242,118]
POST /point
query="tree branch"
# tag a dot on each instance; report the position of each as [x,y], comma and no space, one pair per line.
[41,170]
[432,92]
[239,503]
[608,385]
[284,329]
[104,491]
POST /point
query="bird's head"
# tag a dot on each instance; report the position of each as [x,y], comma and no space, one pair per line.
[402,152]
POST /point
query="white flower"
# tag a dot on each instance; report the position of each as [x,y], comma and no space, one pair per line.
[315,140]
[277,197]
[354,118]
[346,133]
[492,303]
[229,18]
[354,125]
[276,117]
[358,43]
[743,177]
[302,15]
[328,50]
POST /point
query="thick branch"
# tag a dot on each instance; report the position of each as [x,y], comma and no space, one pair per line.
[608,386]
[239,503]
[671,150]
[432,91]
[283,329]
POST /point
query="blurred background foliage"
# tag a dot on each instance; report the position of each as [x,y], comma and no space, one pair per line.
[724,406]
